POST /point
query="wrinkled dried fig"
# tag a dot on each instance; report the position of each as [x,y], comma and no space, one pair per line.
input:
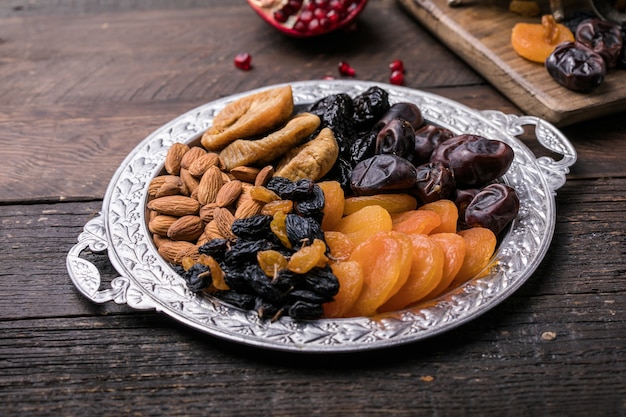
[252,115]
[312,160]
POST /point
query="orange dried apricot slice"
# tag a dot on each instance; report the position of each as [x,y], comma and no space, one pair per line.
[333,203]
[447,211]
[350,277]
[364,223]
[393,203]
[415,221]
[386,261]
[426,273]
[480,244]
[453,246]
[339,245]
[536,41]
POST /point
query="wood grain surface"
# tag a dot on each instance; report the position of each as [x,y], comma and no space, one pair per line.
[83,81]
[480,33]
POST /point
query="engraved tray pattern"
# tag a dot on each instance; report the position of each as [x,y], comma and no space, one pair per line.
[146,281]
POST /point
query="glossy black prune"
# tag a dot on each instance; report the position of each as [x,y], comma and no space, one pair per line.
[382,173]
[474,160]
[603,37]
[340,172]
[301,230]
[252,228]
[369,107]
[403,110]
[426,139]
[494,207]
[434,181]
[363,147]
[576,67]
[398,138]
[335,111]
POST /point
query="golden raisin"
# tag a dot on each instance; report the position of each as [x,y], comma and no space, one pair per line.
[308,257]
[271,261]
[278,225]
[277,205]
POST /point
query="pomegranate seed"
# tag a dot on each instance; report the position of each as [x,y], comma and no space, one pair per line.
[396,65]
[243,61]
[306,16]
[346,69]
[397,77]
[280,16]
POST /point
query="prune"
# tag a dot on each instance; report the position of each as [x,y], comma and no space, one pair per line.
[474,160]
[302,310]
[434,182]
[494,207]
[312,204]
[602,37]
[252,228]
[340,172]
[302,230]
[337,112]
[407,111]
[398,138]
[576,67]
[363,147]
[382,173]
[198,277]
[216,248]
[426,139]
[370,106]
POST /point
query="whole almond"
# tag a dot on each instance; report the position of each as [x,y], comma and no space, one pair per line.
[187,228]
[175,251]
[161,223]
[202,163]
[212,232]
[175,205]
[210,185]
[191,182]
[174,157]
[248,208]
[155,185]
[224,219]
[159,240]
[245,174]
[173,185]
[229,193]
[191,155]
[264,176]
[206,212]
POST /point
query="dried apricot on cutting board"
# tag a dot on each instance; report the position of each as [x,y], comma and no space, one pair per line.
[350,276]
[453,246]
[364,223]
[334,200]
[536,41]
[384,259]
[480,243]
[426,273]
[447,211]
[393,203]
[415,221]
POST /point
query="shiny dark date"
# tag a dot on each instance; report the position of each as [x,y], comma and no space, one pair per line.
[603,37]
[382,173]
[576,67]
[397,137]
[426,139]
[493,207]
[407,111]
[434,181]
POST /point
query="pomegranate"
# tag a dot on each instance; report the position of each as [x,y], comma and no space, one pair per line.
[243,61]
[304,18]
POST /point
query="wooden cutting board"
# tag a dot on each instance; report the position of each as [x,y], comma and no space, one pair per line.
[479,31]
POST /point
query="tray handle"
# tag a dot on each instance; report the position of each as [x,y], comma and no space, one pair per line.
[548,136]
[86,277]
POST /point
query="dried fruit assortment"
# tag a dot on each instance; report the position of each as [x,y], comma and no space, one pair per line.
[352,207]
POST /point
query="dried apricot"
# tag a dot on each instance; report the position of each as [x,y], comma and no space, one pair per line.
[339,245]
[350,276]
[536,41]
[384,259]
[415,221]
[364,223]
[426,273]
[480,244]
[333,203]
[393,203]
[453,246]
[447,211]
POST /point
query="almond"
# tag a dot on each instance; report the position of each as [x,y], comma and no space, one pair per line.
[212,232]
[202,163]
[175,205]
[264,176]
[155,185]
[174,156]
[210,185]
[229,193]
[245,174]
[159,240]
[175,251]
[191,155]
[206,212]
[187,228]
[161,223]
[248,208]
[191,182]
[172,185]
[224,219]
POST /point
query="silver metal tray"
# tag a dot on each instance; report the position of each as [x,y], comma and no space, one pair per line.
[146,281]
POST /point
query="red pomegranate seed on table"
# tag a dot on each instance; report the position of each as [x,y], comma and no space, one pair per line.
[397,77]
[243,61]
[396,65]
[346,69]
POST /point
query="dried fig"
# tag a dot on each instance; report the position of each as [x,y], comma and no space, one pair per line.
[312,160]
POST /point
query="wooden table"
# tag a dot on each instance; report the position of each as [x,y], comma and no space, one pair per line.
[83,81]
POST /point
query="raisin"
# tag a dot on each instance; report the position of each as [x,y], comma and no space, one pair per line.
[302,230]
[215,248]
[252,228]
[198,277]
[312,205]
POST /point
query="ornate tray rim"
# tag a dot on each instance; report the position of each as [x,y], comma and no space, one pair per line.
[148,282]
